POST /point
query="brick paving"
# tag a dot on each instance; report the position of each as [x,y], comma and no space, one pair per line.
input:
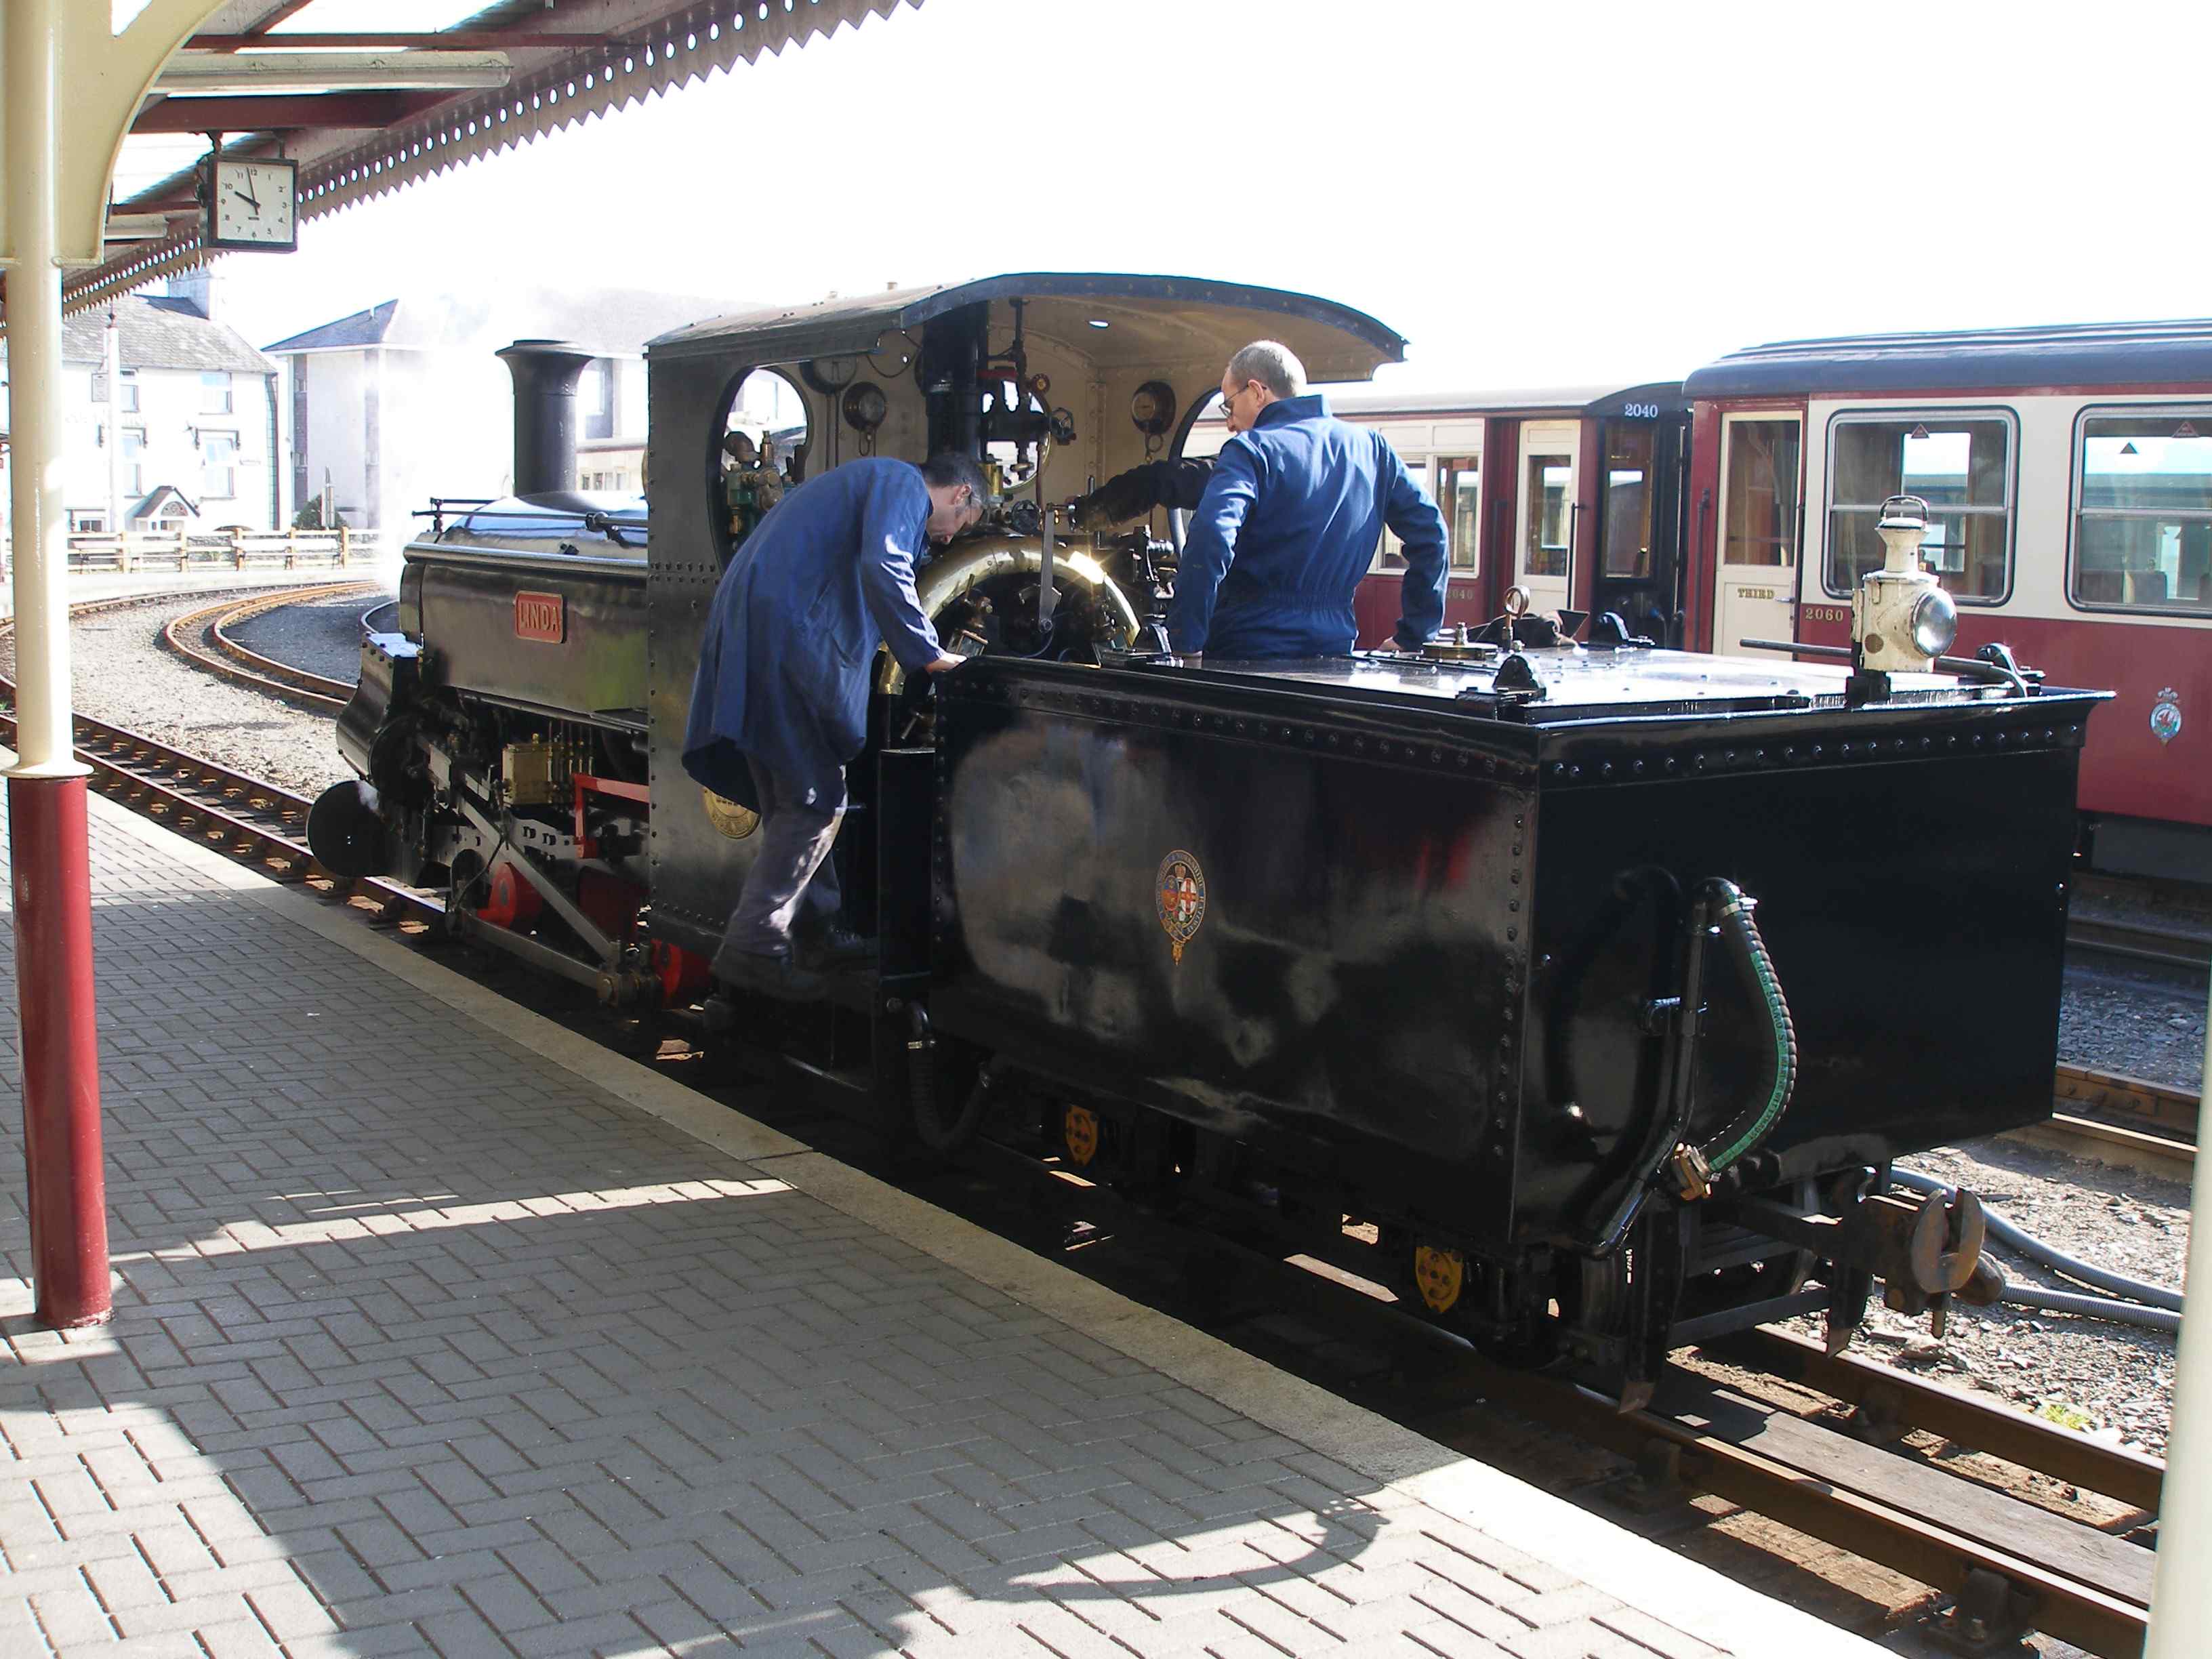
[426,1344]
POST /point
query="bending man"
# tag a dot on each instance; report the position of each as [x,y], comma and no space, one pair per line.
[780,701]
[1289,524]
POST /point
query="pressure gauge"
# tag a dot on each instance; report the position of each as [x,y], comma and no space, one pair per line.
[830,374]
[865,406]
[1153,407]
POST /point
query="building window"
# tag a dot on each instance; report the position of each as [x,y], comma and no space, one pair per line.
[215,392]
[2142,510]
[134,459]
[100,386]
[595,398]
[88,523]
[1961,465]
[127,392]
[218,465]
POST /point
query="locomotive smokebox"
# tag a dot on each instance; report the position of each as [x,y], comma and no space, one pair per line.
[545,375]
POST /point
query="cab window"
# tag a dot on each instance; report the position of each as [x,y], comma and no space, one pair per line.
[1961,465]
[2142,510]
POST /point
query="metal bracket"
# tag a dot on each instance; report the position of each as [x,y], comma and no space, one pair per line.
[608,951]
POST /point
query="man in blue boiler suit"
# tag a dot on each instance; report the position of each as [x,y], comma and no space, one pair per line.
[780,701]
[1285,524]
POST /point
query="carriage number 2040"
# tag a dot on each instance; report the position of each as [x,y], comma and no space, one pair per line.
[1639,411]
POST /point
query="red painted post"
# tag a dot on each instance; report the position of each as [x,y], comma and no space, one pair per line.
[49,852]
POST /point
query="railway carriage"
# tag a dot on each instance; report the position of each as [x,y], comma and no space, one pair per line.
[1546,981]
[2070,472]
[1573,496]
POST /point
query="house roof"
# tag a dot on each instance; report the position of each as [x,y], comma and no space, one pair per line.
[149,503]
[161,332]
[608,321]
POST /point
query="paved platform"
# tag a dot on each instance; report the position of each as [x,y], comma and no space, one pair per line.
[440,1330]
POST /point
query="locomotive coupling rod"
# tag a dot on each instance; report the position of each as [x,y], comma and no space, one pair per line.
[609,953]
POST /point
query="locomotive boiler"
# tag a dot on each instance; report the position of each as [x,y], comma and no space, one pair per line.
[1583,991]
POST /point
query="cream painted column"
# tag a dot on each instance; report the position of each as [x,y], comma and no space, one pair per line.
[71,86]
[2181,1583]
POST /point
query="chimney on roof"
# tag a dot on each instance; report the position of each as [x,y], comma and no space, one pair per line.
[196,288]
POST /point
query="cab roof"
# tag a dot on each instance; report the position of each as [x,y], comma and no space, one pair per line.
[1147,320]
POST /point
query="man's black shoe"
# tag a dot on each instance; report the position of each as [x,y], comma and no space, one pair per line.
[840,947]
[772,975]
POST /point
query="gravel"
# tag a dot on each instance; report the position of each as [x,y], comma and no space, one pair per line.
[2143,1022]
[323,638]
[2115,1383]
[120,673]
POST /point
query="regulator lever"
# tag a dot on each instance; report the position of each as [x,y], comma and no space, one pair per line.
[1047,596]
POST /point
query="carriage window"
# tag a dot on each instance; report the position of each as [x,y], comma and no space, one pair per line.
[1960,467]
[1390,556]
[2142,518]
[1628,499]
[1759,516]
[1550,479]
[1459,496]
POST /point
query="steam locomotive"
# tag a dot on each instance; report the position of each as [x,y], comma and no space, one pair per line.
[1581,989]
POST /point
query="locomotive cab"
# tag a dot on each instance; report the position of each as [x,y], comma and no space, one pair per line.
[1051,382]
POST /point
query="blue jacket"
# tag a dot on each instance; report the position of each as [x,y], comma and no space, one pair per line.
[1288,525]
[784,668]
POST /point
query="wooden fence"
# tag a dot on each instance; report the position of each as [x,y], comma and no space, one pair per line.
[237,550]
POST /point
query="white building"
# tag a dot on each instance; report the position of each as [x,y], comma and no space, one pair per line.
[187,433]
[405,401]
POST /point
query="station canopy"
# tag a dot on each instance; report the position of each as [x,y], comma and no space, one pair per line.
[369,95]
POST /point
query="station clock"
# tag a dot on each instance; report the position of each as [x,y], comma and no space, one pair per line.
[251,203]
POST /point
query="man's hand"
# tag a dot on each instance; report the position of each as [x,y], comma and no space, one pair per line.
[945,665]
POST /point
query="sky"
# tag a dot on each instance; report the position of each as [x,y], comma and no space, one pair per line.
[1533,195]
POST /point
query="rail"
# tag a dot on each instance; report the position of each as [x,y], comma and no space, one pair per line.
[201,637]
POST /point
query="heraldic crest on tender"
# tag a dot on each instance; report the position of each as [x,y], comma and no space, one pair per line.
[1181,896]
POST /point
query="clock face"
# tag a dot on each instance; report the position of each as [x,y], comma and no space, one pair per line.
[254,205]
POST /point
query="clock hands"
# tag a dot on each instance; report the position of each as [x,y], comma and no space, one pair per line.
[253,202]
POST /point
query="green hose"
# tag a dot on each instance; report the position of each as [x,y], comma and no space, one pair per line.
[1756,967]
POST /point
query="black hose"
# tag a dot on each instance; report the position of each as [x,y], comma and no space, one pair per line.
[1777,1078]
[936,1133]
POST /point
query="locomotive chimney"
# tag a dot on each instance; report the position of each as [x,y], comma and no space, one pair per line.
[545,374]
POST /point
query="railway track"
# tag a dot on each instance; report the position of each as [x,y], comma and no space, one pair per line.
[252,820]
[202,638]
[2164,947]
[1890,1467]
[2008,1563]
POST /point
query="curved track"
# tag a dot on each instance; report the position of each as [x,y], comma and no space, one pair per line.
[201,638]
[2084,1585]
[248,818]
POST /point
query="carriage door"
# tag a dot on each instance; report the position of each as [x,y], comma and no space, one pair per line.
[1762,520]
[1544,524]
